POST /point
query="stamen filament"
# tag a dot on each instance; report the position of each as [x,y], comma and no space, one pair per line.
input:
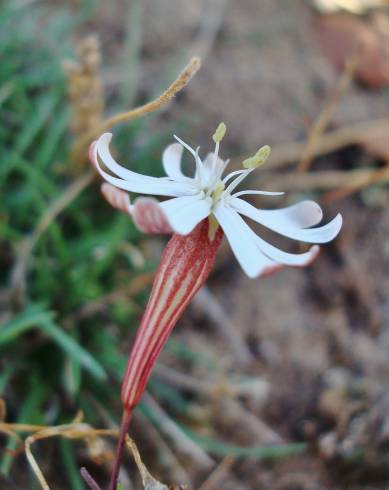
[237,181]
[233,174]
[254,193]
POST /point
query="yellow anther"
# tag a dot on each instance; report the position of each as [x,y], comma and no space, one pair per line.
[219,133]
[258,159]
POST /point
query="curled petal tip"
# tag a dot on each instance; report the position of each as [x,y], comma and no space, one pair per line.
[92,153]
[149,217]
[106,137]
[117,198]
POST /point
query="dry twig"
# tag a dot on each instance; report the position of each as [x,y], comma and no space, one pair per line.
[218,473]
[356,184]
[322,121]
[79,150]
[176,469]
[183,443]
[208,304]
[327,180]
[289,153]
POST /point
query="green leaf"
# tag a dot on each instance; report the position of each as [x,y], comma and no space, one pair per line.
[42,320]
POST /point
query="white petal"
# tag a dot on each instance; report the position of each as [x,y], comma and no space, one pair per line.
[282,223]
[171,160]
[132,181]
[302,214]
[243,233]
[242,241]
[286,258]
[208,162]
[184,213]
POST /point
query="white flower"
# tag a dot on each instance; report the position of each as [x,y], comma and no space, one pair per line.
[208,194]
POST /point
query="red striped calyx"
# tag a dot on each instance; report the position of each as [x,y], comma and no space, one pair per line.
[185,265]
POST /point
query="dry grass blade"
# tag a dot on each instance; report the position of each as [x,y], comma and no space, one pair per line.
[354,134]
[219,472]
[74,430]
[359,182]
[181,440]
[210,306]
[352,180]
[79,150]
[209,27]
[149,482]
[176,470]
[324,117]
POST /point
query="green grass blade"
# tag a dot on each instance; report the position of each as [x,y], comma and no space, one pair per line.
[43,321]
[32,403]
[269,452]
[70,466]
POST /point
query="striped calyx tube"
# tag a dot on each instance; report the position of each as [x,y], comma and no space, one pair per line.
[185,265]
[184,268]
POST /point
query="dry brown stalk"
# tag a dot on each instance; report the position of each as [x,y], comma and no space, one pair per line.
[75,430]
[148,481]
[79,149]
[327,180]
[289,153]
[182,441]
[206,301]
[359,182]
[322,121]
[177,471]
[218,473]
[85,88]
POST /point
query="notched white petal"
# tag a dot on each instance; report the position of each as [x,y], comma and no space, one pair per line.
[286,221]
[132,181]
[171,160]
[242,241]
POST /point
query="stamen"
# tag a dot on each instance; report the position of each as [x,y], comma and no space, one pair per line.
[199,163]
[185,145]
[219,133]
[258,159]
[217,137]
[233,174]
[237,181]
[258,193]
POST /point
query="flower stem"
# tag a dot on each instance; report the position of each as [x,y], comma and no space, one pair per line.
[127,413]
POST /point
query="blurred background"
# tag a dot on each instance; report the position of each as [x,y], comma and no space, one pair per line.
[278,383]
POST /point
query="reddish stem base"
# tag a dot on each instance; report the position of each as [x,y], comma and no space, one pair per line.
[127,413]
